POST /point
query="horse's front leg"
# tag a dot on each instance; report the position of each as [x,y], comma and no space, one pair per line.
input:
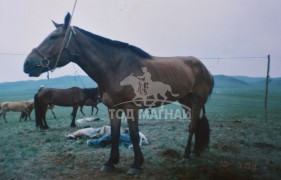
[73,114]
[115,122]
[97,110]
[81,110]
[25,118]
[4,117]
[132,120]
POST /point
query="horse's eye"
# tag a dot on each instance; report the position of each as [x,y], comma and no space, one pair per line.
[53,37]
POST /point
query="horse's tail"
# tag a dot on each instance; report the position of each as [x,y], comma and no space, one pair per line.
[202,131]
[38,110]
[212,86]
[202,134]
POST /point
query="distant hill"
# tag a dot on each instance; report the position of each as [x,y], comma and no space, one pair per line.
[222,81]
[275,82]
[260,81]
[61,82]
[250,80]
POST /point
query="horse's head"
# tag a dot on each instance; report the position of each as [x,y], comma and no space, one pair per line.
[55,51]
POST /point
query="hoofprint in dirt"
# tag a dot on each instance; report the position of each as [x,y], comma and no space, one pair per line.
[238,149]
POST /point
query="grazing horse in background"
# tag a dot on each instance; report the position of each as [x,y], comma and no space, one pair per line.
[74,97]
[93,103]
[29,108]
[21,106]
[51,107]
[109,62]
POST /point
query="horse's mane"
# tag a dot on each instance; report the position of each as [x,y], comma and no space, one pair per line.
[117,44]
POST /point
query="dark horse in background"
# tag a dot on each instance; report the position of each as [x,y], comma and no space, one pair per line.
[93,103]
[74,97]
[108,62]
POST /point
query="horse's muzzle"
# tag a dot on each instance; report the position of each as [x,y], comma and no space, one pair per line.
[32,68]
[26,66]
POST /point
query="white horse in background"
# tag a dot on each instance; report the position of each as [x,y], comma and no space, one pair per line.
[25,107]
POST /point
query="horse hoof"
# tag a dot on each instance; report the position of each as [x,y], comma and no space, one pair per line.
[105,168]
[73,125]
[185,158]
[133,171]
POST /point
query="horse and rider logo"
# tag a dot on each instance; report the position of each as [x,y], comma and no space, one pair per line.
[144,87]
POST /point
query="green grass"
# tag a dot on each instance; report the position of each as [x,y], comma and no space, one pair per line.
[242,145]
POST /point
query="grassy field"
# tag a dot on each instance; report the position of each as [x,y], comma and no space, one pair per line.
[242,145]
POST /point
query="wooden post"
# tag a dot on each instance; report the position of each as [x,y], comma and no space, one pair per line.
[266,87]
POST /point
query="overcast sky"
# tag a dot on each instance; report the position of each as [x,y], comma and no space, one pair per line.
[201,28]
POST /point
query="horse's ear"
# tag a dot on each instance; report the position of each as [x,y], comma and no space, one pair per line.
[67,20]
[56,24]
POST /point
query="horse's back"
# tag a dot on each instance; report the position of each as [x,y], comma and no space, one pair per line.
[189,70]
[61,97]
[171,70]
[13,106]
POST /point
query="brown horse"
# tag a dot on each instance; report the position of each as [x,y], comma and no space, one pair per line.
[110,62]
[93,103]
[74,97]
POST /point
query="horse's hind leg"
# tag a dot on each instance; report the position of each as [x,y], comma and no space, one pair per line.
[44,122]
[81,110]
[92,111]
[23,116]
[96,111]
[195,104]
[73,114]
[53,114]
[29,116]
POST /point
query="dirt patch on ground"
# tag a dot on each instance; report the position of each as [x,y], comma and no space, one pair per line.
[170,153]
[266,146]
[226,148]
